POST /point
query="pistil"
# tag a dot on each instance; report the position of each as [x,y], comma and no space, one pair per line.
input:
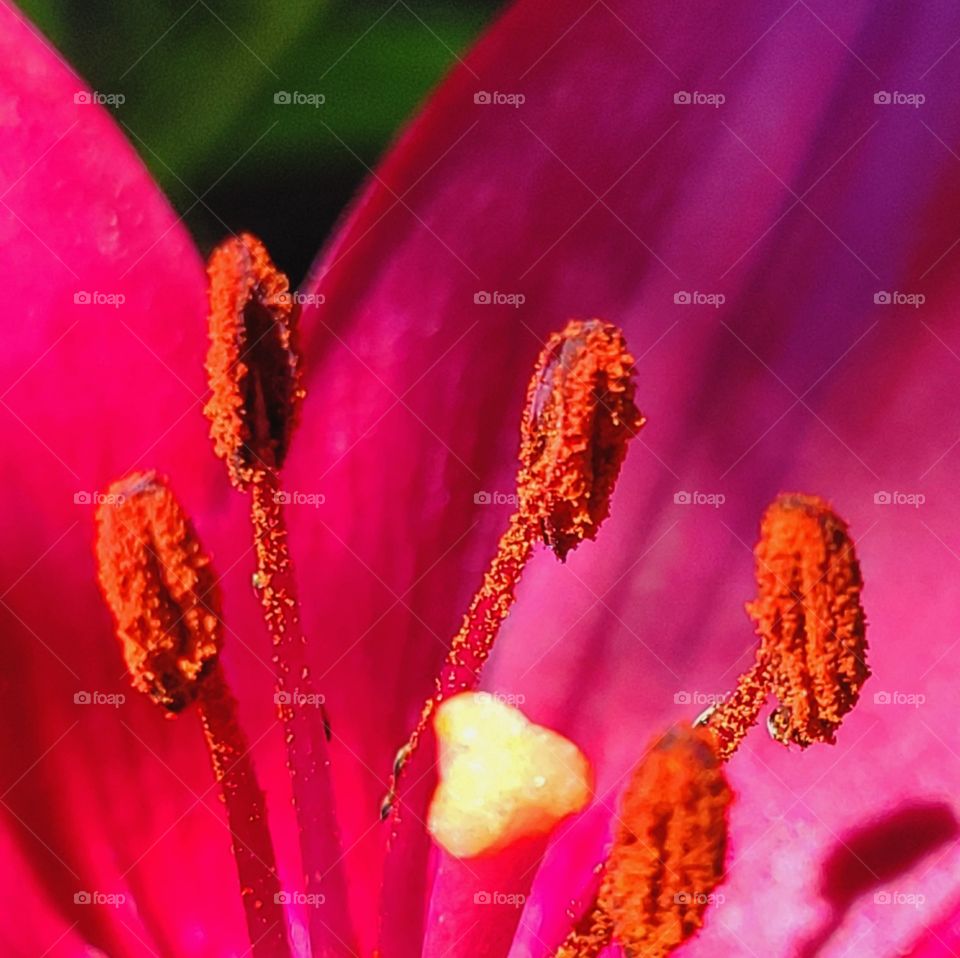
[160,586]
[505,785]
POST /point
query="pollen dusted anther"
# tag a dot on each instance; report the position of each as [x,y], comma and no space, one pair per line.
[580,414]
[160,588]
[812,628]
[668,852]
[253,363]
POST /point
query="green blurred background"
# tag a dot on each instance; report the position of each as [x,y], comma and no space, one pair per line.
[199,78]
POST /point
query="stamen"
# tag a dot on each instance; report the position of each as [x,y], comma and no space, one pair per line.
[731,719]
[812,629]
[253,362]
[254,369]
[579,416]
[502,777]
[668,852]
[161,589]
[810,619]
[160,586]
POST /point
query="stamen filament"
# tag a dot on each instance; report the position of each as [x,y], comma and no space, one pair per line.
[247,815]
[731,719]
[161,589]
[305,735]
[471,646]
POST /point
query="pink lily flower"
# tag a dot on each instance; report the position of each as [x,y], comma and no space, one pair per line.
[764,203]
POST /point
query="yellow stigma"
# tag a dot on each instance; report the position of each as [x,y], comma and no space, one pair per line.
[502,777]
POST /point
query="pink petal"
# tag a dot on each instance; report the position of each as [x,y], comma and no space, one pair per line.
[799,381]
[97,798]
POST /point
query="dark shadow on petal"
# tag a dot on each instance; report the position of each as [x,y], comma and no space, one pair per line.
[870,857]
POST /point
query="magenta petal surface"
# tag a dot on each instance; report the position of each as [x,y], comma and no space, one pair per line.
[101,373]
[815,210]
